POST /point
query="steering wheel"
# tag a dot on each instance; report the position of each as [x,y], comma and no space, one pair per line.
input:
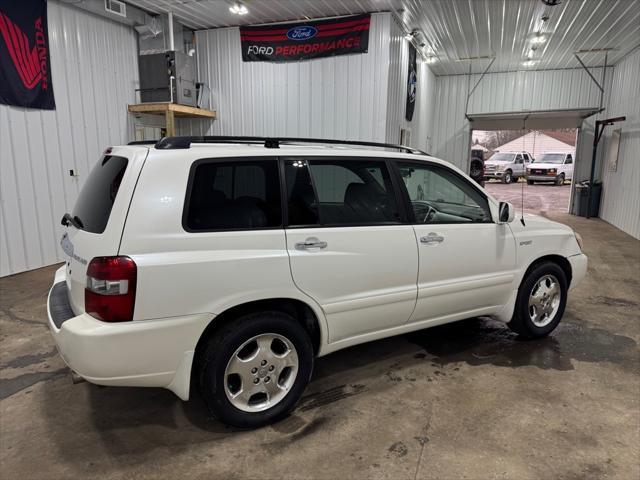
[431,213]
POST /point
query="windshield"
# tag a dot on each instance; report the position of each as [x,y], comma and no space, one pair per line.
[502,157]
[96,198]
[551,158]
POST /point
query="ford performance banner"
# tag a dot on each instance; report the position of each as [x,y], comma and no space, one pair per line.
[25,71]
[288,42]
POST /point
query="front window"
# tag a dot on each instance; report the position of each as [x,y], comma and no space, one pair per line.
[557,158]
[502,157]
[438,195]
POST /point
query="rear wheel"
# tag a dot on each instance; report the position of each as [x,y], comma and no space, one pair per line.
[507,177]
[541,301]
[560,179]
[529,182]
[255,369]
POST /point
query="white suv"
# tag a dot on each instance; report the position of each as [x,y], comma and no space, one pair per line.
[551,167]
[229,264]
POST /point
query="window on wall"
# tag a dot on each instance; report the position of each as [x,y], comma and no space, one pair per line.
[438,195]
[234,195]
[340,192]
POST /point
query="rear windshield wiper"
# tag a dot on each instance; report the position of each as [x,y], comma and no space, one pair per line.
[67,220]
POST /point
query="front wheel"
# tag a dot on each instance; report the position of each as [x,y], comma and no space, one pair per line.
[529,182]
[560,179]
[507,177]
[255,369]
[541,301]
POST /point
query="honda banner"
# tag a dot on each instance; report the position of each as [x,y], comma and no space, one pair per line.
[412,80]
[288,42]
[25,71]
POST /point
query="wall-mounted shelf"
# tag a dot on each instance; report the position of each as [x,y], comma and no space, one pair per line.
[170,112]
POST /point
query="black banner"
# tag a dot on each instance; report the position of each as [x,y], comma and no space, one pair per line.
[25,71]
[412,82]
[288,42]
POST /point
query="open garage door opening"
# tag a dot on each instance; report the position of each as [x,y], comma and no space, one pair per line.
[541,159]
[531,158]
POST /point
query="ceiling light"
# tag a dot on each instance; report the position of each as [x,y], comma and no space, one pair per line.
[238,9]
[538,39]
[529,63]
[431,60]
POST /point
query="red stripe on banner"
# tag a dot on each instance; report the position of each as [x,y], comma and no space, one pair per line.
[321,27]
[332,33]
[329,26]
[279,38]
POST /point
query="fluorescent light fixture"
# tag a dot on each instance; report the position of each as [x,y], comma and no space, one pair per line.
[238,9]
[431,59]
[529,63]
[537,38]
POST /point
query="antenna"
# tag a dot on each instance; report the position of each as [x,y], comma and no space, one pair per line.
[525,176]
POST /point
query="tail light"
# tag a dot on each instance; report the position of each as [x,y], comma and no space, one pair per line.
[110,294]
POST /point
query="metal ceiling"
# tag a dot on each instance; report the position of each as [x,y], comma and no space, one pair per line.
[457,30]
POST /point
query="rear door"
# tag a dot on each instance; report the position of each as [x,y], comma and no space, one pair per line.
[350,247]
[99,215]
[466,261]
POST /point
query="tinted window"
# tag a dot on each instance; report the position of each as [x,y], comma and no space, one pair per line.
[568,160]
[341,192]
[96,198]
[438,195]
[234,195]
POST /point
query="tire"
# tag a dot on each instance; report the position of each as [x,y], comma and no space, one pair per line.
[529,182]
[524,323]
[507,177]
[560,180]
[515,179]
[223,354]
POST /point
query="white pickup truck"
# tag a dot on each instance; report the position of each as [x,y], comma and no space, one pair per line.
[507,166]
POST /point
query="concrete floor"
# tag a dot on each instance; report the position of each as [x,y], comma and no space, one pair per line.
[468,400]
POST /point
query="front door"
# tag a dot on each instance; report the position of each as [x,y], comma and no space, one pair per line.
[350,247]
[466,261]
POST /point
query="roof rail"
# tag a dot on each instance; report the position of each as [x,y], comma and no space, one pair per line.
[170,143]
[143,142]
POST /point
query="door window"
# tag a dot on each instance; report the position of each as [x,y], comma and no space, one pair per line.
[233,195]
[339,192]
[438,195]
[518,158]
[569,160]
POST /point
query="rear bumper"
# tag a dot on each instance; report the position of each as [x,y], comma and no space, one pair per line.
[145,353]
[579,265]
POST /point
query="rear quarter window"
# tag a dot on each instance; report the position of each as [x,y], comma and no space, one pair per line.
[98,194]
[233,195]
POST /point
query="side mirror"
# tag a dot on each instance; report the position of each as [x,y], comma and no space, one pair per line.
[506,212]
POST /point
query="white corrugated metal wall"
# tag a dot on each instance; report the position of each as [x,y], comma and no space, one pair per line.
[620,204]
[339,97]
[94,72]
[420,125]
[503,92]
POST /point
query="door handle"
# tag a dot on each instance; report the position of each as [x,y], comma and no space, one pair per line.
[432,238]
[311,243]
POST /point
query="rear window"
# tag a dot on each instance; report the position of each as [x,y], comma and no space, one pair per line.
[96,198]
[233,195]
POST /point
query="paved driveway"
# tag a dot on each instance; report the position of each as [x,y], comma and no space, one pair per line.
[538,198]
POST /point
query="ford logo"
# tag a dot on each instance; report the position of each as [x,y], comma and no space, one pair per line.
[302,33]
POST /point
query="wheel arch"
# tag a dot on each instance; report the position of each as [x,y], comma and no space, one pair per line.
[304,313]
[561,261]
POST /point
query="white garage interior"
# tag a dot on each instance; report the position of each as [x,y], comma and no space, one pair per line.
[481,65]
